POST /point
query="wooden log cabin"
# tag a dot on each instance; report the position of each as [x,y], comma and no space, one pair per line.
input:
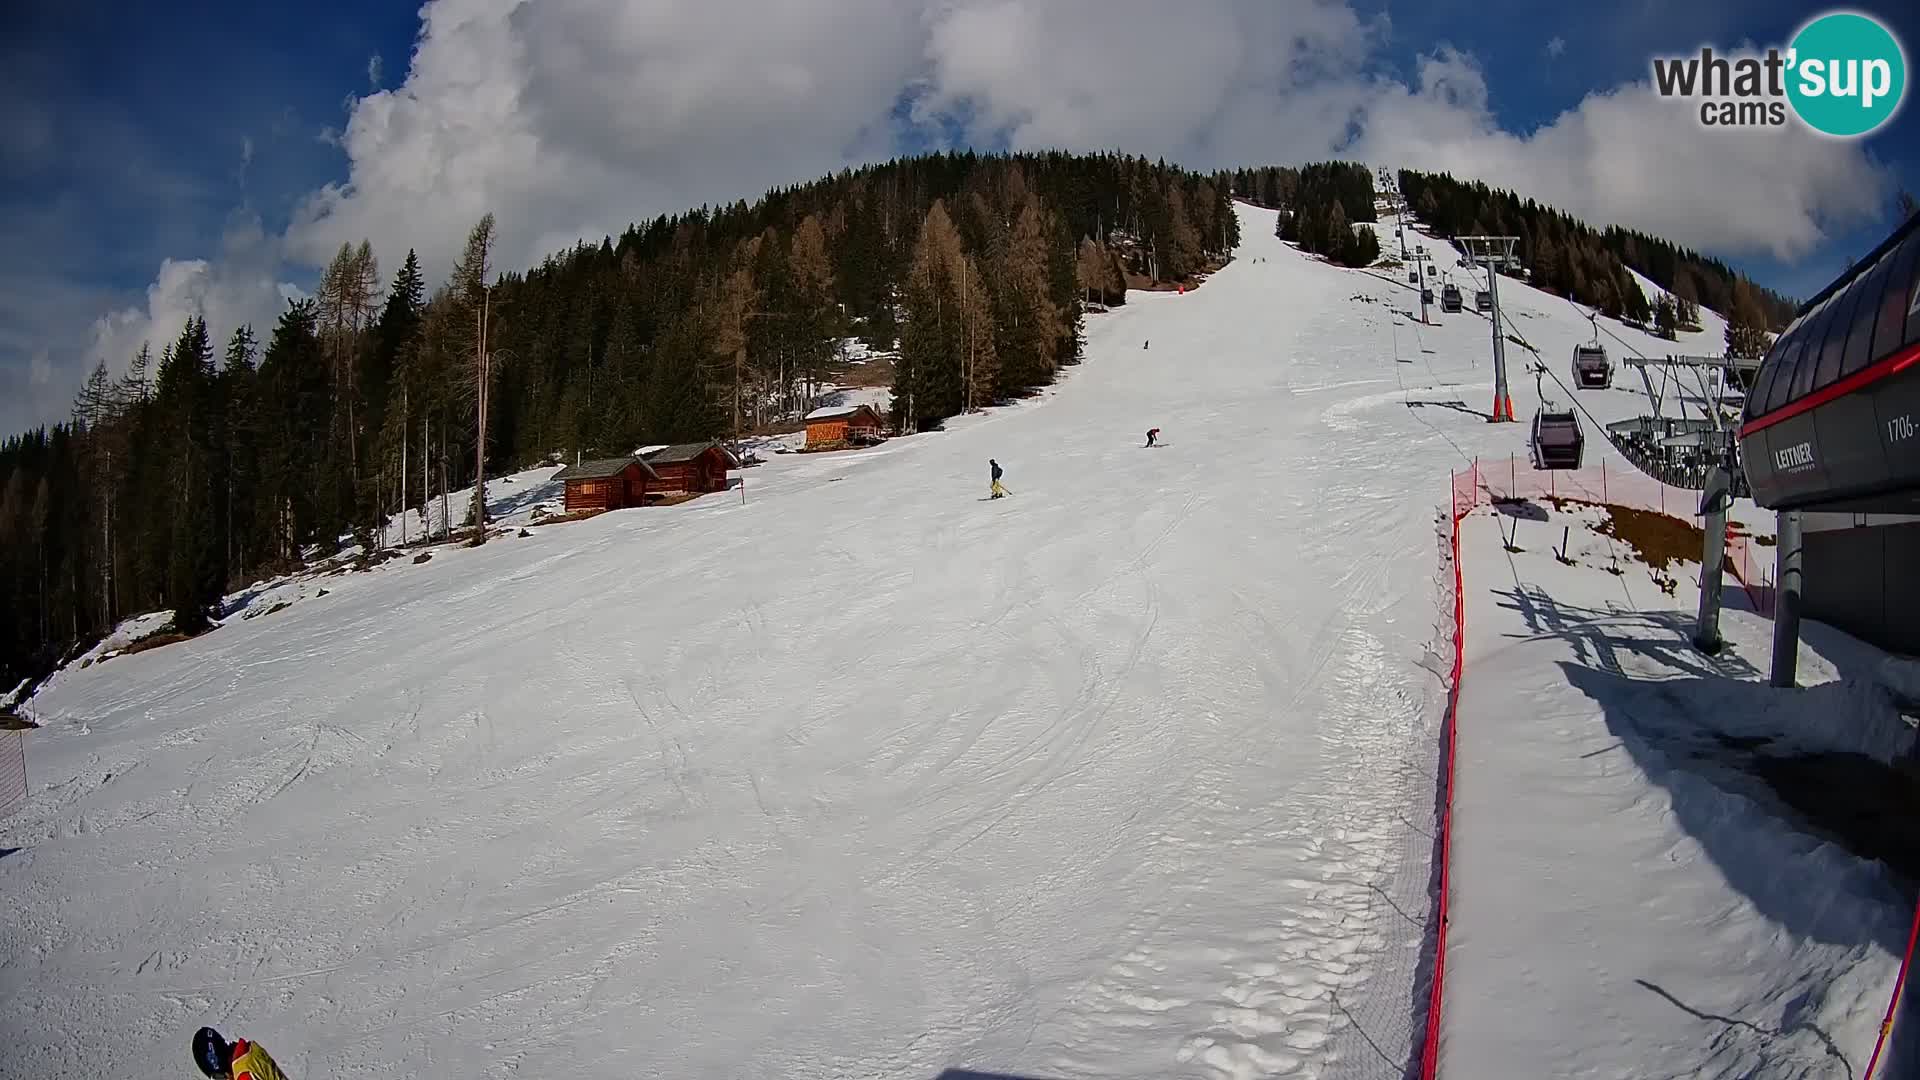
[608,483]
[838,425]
[690,467]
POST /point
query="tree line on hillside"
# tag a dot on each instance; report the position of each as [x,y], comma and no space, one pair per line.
[1571,258]
[1320,204]
[210,465]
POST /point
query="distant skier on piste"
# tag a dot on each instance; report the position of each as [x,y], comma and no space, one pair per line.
[996,491]
[239,1060]
[1153,436]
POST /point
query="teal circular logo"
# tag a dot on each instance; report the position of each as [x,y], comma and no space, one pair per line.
[1846,74]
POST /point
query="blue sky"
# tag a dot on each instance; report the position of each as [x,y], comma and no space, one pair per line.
[134,133]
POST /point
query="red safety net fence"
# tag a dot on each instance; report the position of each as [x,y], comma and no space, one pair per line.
[1482,484]
[1466,495]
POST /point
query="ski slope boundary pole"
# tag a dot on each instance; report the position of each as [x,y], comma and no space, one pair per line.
[1893,1003]
[1430,1049]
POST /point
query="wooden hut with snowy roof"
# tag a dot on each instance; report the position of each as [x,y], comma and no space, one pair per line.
[690,467]
[838,425]
[608,483]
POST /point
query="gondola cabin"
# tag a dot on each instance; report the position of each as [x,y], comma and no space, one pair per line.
[1591,368]
[1557,440]
[1482,301]
[1426,296]
[1450,299]
[1832,430]
[1413,277]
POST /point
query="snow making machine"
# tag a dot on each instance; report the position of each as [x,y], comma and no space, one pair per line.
[1558,442]
[1591,368]
[1450,299]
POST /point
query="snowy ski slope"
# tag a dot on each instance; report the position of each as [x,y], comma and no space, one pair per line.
[1622,875]
[863,776]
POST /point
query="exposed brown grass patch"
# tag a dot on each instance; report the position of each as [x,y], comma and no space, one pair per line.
[155,640]
[572,515]
[1658,540]
[875,372]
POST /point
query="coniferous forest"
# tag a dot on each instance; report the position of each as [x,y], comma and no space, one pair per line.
[233,453]
[1566,256]
[1320,204]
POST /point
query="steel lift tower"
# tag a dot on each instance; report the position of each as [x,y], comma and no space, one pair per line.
[1492,252]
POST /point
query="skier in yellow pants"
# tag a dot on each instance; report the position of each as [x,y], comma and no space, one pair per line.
[238,1060]
[996,491]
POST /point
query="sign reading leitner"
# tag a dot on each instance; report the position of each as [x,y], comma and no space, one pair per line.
[1844,75]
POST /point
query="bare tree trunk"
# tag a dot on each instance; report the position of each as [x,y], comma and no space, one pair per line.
[403,467]
[446,514]
[480,435]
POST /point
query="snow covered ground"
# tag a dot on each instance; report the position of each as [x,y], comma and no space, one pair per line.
[1130,774]
[1631,895]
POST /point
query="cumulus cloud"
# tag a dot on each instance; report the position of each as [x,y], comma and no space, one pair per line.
[1627,156]
[376,72]
[569,120]
[1556,45]
[238,287]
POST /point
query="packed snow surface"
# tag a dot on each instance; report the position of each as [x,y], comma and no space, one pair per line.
[1628,890]
[1130,774]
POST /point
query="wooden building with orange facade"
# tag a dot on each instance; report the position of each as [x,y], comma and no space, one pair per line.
[690,467]
[609,483]
[840,425]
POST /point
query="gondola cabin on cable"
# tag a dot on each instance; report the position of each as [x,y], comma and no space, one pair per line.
[1426,296]
[1832,429]
[1557,440]
[843,425]
[608,483]
[690,468]
[1591,368]
[1482,301]
[1450,299]
[1413,277]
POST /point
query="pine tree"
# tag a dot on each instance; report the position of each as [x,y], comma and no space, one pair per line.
[934,342]
[184,396]
[1746,333]
[239,439]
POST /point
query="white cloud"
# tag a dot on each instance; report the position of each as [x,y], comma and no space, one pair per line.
[1627,156]
[376,72]
[1556,45]
[240,286]
[573,119]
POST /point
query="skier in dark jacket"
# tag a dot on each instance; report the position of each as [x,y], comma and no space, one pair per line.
[238,1060]
[996,491]
[1153,435]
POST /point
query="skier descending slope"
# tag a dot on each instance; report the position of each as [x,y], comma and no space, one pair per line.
[240,1060]
[996,491]
[1153,436]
